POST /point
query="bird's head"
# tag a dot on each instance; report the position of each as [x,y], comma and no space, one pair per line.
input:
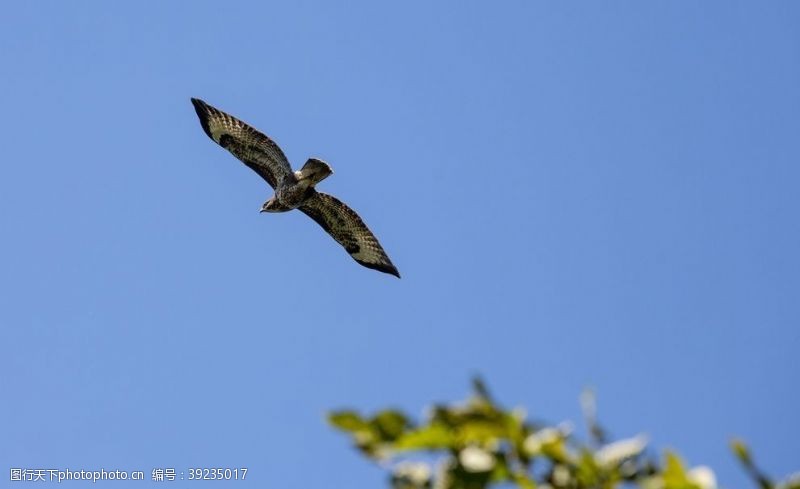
[270,206]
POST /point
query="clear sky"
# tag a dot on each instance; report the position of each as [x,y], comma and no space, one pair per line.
[576,193]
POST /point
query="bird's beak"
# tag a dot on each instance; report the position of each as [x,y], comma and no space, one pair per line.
[262,210]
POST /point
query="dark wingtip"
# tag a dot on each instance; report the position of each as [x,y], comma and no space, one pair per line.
[199,105]
[203,112]
[390,269]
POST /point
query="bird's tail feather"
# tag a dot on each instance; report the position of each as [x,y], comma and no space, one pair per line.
[314,171]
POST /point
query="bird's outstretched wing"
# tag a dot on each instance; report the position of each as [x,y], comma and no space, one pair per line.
[347,228]
[255,149]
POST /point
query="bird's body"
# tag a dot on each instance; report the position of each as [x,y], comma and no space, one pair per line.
[288,196]
[295,190]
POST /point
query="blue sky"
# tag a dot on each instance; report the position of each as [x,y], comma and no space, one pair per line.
[577,194]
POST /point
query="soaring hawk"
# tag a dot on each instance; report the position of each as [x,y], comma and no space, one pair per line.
[295,190]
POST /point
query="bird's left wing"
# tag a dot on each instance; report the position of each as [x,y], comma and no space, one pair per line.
[347,228]
[252,147]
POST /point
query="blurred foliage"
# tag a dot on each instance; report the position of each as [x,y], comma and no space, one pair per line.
[478,444]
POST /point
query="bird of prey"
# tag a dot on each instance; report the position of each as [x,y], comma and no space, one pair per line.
[295,190]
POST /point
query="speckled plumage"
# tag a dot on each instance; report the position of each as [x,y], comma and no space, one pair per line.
[295,190]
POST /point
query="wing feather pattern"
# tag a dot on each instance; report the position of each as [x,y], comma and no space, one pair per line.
[252,147]
[347,228]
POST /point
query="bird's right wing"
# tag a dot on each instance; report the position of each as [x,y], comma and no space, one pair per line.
[347,228]
[252,147]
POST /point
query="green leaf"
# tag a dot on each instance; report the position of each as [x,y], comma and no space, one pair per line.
[741,451]
[347,421]
[432,437]
[588,472]
[523,481]
[390,424]
[557,450]
[743,454]
[481,431]
[675,474]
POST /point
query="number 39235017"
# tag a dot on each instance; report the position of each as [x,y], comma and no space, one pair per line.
[218,473]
